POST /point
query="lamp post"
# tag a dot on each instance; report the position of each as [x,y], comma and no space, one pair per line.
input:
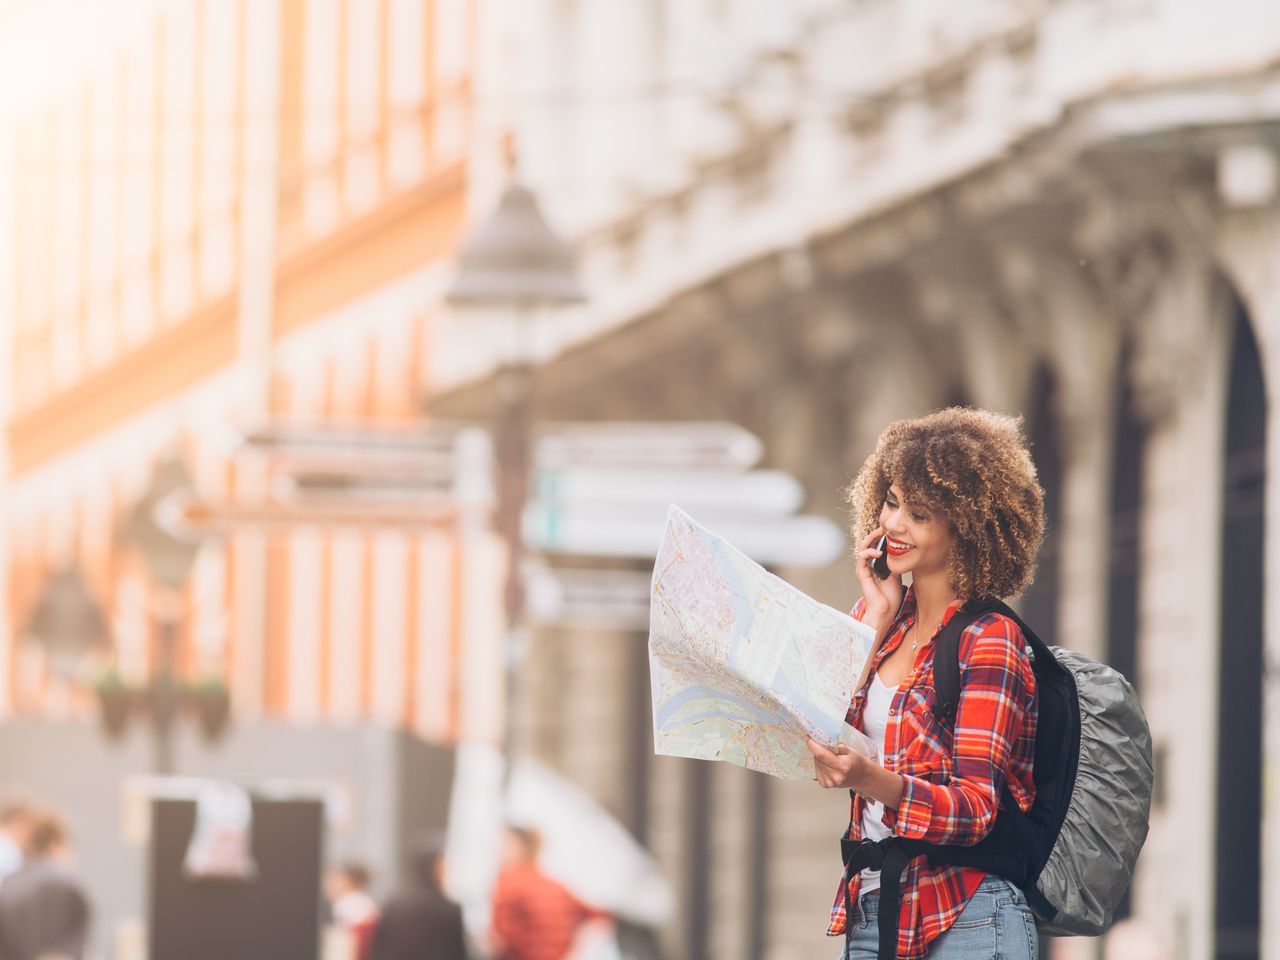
[168,557]
[68,623]
[512,271]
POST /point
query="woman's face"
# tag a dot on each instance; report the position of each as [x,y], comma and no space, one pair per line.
[918,543]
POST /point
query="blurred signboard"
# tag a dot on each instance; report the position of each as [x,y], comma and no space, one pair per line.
[634,530]
[610,599]
[651,445]
[217,517]
[377,443]
[430,449]
[597,489]
[769,492]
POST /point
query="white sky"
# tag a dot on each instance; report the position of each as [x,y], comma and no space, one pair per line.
[51,45]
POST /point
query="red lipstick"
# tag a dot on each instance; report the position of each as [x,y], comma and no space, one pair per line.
[896,550]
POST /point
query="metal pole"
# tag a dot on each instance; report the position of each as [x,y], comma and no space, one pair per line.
[513,432]
[164,696]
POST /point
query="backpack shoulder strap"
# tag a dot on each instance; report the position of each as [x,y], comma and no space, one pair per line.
[946,653]
[1042,658]
[946,661]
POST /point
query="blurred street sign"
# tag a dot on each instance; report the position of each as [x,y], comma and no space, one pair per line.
[372,441]
[653,445]
[770,492]
[374,485]
[420,451]
[613,599]
[223,518]
[675,444]
[598,489]
[635,530]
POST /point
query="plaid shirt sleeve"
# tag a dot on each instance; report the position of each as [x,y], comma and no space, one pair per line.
[996,686]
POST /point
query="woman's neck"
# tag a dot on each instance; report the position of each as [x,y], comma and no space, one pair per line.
[933,594]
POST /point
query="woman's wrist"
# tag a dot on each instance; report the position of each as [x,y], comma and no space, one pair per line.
[869,779]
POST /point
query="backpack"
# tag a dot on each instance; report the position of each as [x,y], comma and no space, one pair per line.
[1073,853]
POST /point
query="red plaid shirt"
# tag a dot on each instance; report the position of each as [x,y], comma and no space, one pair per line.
[951,778]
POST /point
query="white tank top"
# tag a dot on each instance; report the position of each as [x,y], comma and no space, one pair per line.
[875,719]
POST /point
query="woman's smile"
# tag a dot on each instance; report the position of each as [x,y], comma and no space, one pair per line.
[920,543]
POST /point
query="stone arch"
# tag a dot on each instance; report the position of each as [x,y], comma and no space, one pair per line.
[1244,257]
[1238,816]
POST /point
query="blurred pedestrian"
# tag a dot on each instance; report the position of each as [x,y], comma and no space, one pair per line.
[354,908]
[15,834]
[420,921]
[534,916]
[44,912]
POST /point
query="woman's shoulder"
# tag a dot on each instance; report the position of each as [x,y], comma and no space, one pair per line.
[993,633]
[993,623]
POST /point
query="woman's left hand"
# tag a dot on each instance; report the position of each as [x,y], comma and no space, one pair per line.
[841,767]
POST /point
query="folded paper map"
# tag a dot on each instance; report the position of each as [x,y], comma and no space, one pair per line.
[743,665]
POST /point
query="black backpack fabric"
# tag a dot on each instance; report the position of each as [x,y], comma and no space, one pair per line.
[1073,853]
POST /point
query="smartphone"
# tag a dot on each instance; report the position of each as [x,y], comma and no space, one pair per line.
[880,564]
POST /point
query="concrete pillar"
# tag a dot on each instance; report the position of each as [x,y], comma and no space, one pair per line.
[731,862]
[1083,352]
[1179,385]
[804,868]
[667,813]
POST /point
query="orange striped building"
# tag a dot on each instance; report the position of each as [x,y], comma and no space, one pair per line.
[241,215]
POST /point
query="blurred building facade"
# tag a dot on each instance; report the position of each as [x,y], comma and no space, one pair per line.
[238,215]
[813,218]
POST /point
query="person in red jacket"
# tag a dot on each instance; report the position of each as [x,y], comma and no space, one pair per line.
[534,917]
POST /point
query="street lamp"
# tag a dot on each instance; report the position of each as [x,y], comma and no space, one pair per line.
[168,556]
[67,623]
[511,272]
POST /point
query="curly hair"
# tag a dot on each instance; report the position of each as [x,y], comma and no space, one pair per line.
[972,469]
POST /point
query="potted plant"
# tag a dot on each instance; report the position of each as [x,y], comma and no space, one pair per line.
[210,701]
[115,701]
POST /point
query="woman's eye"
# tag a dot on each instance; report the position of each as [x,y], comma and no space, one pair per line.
[919,517]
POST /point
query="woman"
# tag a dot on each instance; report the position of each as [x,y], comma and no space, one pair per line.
[955,495]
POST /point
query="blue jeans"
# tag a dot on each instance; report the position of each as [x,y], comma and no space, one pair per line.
[997,924]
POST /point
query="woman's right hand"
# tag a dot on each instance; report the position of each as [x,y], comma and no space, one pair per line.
[883,597]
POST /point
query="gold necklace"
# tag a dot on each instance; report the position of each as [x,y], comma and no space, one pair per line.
[916,627]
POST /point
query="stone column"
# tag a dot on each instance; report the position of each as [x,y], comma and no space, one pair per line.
[1082,351]
[1178,372]
[1249,248]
